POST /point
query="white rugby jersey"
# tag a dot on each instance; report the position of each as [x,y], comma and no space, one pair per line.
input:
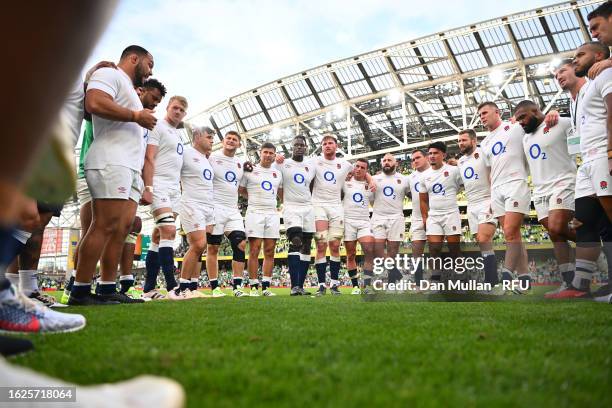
[573,143]
[503,152]
[329,179]
[296,181]
[116,143]
[196,177]
[356,201]
[442,186]
[169,159]
[475,174]
[262,184]
[592,116]
[389,194]
[228,172]
[549,161]
[414,179]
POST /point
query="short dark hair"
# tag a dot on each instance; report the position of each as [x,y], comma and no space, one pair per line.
[487,103]
[362,160]
[134,49]
[419,151]
[603,10]
[599,47]
[153,83]
[300,137]
[268,145]
[437,145]
[234,133]
[470,132]
[525,104]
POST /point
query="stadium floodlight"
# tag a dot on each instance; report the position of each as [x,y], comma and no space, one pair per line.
[395,96]
[328,117]
[276,134]
[317,123]
[554,63]
[496,77]
[339,111]
[541,71]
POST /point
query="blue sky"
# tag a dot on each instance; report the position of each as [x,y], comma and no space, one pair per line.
[209,51]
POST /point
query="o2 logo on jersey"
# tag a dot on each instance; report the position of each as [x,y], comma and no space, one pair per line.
[329,176]
[299,178]
[358,198]
[416,187]
[208,174]
[179,149]
[438,189]
[389,192]
[498,148]
[469,173]
[536,152]
[266,186]
[230,177]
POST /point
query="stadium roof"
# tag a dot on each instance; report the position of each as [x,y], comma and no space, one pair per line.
[405,95]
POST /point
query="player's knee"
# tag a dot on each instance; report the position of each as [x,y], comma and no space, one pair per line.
[167,232]
[307,241]
[335,233]
[237,241]
[198,246]
[512,232]
[321,237]
[269,252]
[334,245]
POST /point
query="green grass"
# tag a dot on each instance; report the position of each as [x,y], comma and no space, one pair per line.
[343,351]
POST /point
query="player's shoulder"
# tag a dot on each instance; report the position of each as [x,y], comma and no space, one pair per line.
[604,78]
[105,73]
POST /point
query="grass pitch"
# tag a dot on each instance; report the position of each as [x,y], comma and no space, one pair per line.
[344,351]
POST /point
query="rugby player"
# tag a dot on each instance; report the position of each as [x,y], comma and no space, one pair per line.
[196,208]
[388,223]
[228,171]
[553,175]
[262,221]
[357,228]
[593,196]
[476,179]
[113,169]
[600,26]
[420,166]
[438,200]
[161,175]
[298,212]
[510,196]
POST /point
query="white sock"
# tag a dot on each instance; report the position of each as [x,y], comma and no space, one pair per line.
[28,282]
[153,247]
[126,277]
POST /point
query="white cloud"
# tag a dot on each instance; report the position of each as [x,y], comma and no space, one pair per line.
[212,50]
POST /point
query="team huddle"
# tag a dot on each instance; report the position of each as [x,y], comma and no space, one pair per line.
[129,158]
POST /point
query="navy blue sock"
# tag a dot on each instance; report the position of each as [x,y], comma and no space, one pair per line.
[394,275]
[303,273]
[490,269]
[265,285]
[236,283]
[294,263]
[152,266]
[353,274]
[166,259]
[184,286]
[214,284]
[69,284]
[334,269]
[125,284]
[106,289]
[506,275]
[193,285]
[367,277]
[568,277]
[80,290]
[321,268]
